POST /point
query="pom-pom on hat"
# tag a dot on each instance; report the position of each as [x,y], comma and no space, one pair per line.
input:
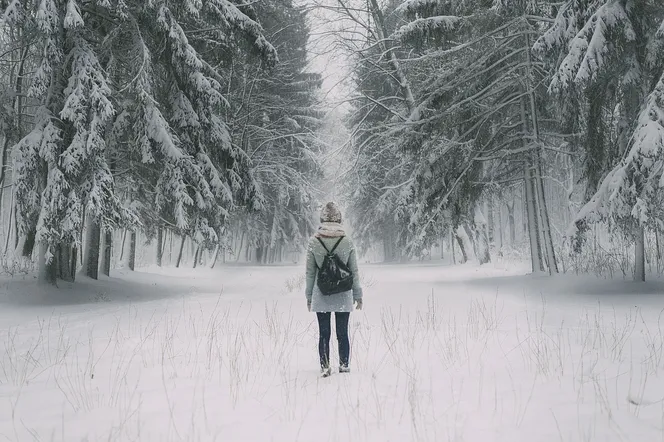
[330,213]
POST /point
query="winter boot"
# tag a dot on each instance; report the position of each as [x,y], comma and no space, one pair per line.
[344,368]
[325,372]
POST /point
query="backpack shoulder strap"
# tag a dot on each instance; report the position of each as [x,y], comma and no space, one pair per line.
[323,244]
[335,246]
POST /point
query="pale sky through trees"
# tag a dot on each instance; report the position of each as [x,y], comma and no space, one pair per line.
[326,54]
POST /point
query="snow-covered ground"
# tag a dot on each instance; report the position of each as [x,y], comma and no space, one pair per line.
[439,354]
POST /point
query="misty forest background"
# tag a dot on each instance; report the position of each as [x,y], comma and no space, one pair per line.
[198,132]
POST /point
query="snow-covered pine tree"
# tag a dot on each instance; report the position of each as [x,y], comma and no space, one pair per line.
[631,196]
[156,124]
[275,116]
[171,130]
[477,121]
[611,51]
[375,171]
[60,167]
[601,51]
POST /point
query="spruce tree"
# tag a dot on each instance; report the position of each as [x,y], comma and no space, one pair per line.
[129,128]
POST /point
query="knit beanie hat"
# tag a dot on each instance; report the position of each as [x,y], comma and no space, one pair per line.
[330,213]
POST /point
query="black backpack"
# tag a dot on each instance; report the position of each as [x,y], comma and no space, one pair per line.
[334,276]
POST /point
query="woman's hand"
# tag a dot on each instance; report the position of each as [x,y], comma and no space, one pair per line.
[309,304]
[358,304]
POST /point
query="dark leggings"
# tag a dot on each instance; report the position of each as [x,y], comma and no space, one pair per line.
[325,330]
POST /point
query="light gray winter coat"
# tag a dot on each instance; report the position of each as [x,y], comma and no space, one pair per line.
[339,302]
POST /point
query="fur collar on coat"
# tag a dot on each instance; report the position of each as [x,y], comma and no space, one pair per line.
[330,230]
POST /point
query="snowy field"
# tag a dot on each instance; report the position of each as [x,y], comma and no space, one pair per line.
[439,354]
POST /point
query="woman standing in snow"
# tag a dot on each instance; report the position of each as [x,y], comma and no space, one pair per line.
[329,234]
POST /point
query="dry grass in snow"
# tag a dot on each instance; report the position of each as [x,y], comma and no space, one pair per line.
[440,354]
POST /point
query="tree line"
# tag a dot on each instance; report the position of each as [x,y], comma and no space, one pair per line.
[462,111]
[195,117]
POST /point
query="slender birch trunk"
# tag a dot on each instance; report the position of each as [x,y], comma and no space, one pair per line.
[543,210]
[639,255]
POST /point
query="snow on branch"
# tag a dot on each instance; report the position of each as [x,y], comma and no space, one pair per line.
[563,29]
[655,48]
[73,17]
[14,13]
[44,137]
[588,51]
[633,189]
[423,28]
[231,14]
[413,7]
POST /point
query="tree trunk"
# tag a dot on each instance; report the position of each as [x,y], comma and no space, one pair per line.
[91,251]
[46,268]
[73,263]
[29,244]
[45,265]
[179,259]
[239,249]
[659,250]
[483,252]
[84,222]
[170,247]
[196,255]
[533,225]
[131,253]
[501,239]
[464,243]
[639,256]
[3,167]
[192,248]
[66,262]
[259,254]
[160,245]
[9,226]
[122,246]
[442,245]
[387,252]
[490,221]
[531,201]
[542,209]
[452,248]
[42,263]
[390,249]
[545,220]
[524,211]
[473,235]
[107,244]
[511,222]
[215,256]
